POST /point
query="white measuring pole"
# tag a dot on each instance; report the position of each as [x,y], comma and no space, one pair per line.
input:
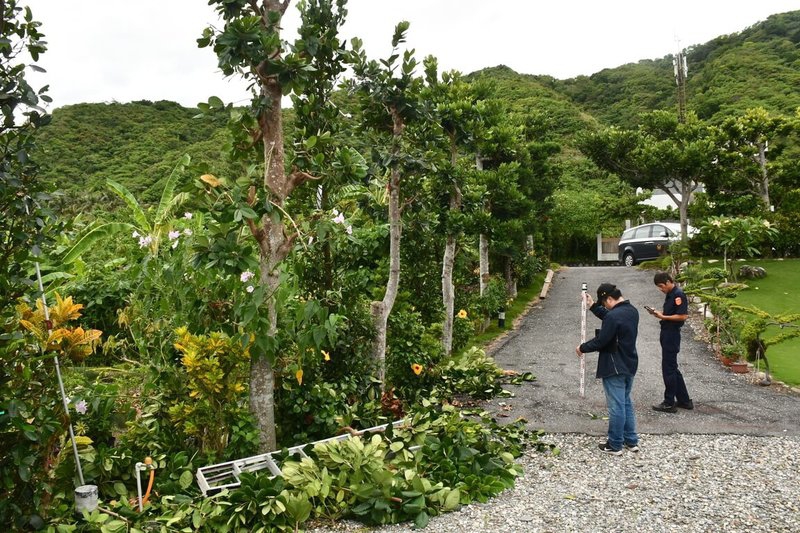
[49,326]
[583,339]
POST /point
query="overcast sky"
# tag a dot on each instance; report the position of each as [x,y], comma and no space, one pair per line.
[124,50]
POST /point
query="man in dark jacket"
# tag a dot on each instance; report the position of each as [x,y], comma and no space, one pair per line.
[617,364]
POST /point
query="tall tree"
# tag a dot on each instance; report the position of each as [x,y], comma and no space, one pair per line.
[23,196]
[389,95]
[457,110]
[662,153]
[746,141]
[250,45]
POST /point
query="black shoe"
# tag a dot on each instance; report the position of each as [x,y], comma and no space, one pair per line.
[688,405]
[631,447]
[605,447]
[665,408]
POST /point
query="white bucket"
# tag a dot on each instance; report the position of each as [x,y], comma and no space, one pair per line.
[86,498]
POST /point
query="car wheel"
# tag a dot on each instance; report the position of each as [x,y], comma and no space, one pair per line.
[628,259]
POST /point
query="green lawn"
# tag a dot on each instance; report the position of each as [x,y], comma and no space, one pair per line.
[779,292]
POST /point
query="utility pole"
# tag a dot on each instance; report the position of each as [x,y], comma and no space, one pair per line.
[680,79]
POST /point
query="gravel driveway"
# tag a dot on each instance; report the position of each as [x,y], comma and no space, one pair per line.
[730,465]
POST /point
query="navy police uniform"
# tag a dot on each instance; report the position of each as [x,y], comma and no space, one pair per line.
[674,387]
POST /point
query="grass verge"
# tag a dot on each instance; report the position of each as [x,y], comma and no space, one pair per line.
[777,293]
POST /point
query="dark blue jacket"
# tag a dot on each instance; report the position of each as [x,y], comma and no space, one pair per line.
[616,340]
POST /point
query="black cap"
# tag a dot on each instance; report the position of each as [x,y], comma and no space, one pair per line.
[605,290]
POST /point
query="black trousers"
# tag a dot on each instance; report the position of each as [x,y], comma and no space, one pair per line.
[674,386]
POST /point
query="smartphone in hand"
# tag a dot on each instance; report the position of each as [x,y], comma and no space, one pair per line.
[649,309]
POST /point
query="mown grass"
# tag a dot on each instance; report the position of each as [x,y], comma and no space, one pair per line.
[777,293]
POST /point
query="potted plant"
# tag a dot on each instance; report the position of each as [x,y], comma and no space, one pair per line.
[728,353]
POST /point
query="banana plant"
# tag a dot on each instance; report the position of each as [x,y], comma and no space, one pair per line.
[150,233]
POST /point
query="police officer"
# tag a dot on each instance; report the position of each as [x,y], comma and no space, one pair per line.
[675,313]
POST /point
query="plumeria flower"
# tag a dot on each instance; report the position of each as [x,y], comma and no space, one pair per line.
[81,407]
[767,224]
[187,231]
[174,235]
[716,223]
[250,288]
[187,216]
[246,275]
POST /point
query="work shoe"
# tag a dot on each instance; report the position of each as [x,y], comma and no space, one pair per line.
[605,447]
[631,447]
[665,408]
[688,405]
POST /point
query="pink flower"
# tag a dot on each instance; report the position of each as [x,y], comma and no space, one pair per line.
[81,407]
[174,235]
[246,276]
[250,288]
[187,216]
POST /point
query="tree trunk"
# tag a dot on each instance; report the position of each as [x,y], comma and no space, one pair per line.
[687,189]
[273,243]
[448,289]
[483,246]
[511,284]
[483,259]
[763,185]
[448,294]
[380,310]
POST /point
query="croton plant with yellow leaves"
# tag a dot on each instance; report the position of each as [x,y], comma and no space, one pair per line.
[76,343]
[216,366]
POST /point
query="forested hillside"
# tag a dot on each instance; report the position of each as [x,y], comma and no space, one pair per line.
[759,66]
[135,144]
[138,143]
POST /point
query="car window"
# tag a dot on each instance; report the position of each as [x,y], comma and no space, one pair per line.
[642,233]
[627,234]
[659,231]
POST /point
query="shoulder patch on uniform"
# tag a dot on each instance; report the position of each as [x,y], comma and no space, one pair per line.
[678,301]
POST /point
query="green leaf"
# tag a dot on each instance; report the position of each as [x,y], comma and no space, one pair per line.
[185,479]
[164,205]
[452,501]
[136,210]
[120,489]
[421,520]
[93,234]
